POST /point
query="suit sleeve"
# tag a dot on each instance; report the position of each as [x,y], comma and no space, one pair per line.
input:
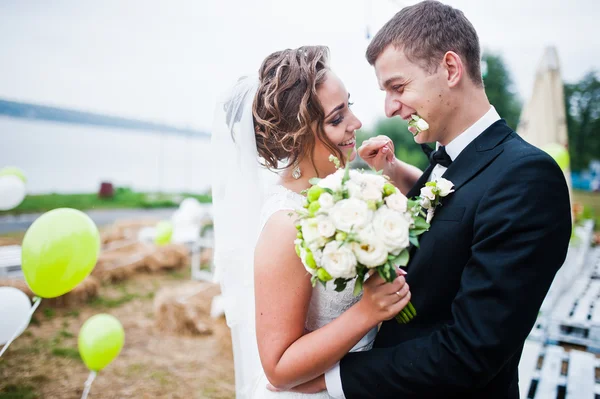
[521,232]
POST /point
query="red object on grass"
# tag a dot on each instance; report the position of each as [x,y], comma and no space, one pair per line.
[107,190]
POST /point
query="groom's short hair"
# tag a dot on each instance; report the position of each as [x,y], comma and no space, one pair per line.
[425,32]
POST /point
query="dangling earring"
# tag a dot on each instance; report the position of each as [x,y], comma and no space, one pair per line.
[296,173]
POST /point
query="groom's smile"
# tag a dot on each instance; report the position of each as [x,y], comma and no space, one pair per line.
[412,89]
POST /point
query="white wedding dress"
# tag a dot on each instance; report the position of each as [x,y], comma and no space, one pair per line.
[325,304]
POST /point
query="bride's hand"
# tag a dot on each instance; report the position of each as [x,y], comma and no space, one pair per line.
[381,300]
[378,153]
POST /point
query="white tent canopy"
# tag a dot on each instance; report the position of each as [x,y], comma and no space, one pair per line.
[543,119]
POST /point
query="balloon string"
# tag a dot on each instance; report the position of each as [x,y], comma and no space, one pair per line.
[88,384]
[36,303]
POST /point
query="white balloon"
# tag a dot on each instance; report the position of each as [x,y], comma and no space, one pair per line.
[12,192]
[14,313]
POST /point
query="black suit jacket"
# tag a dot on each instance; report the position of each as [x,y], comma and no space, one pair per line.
[477,280]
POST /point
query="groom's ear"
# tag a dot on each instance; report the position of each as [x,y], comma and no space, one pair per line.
[454,67]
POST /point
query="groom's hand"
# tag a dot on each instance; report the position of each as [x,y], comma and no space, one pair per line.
[378,152]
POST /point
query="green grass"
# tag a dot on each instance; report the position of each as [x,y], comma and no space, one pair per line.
[104,302]
[14,391]
[49,313]
[123,198]
[70,353]
[591,203]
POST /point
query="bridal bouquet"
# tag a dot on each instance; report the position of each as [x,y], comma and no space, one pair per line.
[354,221]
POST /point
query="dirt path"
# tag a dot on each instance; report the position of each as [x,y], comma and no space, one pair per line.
[44,361]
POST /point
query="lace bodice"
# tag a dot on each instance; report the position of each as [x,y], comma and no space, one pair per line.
[325,304]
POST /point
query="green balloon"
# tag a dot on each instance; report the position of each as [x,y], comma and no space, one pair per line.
[559,153]
[164,232]
[59,250]
[100,340]
[13,170]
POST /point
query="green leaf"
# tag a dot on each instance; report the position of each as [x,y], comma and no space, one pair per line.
[421,224]
[414,241]
[340,284]
[418,232]
[430,184]
[314,180]
[358,285]
[313,280]
[323,282]
[402,258]
[393,274]
[412,203]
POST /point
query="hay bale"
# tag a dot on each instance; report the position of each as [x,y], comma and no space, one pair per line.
[85,291]
[125,230]
[185,310]
[122,261]
[167,257]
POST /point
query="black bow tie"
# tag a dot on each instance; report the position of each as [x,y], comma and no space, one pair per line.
[439,156]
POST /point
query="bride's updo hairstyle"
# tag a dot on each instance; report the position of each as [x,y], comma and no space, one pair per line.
[286,106]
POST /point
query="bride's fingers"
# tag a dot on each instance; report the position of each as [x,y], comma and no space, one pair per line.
[401,304]
[402,292]
[370,149]
[390,155]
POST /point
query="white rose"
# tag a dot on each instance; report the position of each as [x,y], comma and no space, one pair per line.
[317,256]
[326,201]
[422,124]
[370,251]
[325,226]
[445,186]
[427,192]
[397,202]
[350,215]
[366,186]
[372,193]
[332,181]
[391,228]
[311,234]
[339,262]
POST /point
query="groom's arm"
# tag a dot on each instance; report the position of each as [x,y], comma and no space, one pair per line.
[521,234]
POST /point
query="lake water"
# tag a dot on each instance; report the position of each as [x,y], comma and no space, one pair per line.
[68,158]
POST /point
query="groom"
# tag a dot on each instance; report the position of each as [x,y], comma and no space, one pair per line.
[494,246]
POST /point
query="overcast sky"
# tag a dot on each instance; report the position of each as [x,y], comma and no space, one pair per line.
[166,61]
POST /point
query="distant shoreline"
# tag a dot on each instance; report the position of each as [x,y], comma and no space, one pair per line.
[24,110]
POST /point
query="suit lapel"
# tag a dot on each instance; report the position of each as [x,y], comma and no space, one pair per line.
[478,154]
[416,189]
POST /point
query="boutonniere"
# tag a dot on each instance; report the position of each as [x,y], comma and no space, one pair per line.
[432,194]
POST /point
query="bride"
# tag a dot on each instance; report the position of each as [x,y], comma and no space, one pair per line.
[285,333]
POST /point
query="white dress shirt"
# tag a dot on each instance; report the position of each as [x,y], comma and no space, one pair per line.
[333,380]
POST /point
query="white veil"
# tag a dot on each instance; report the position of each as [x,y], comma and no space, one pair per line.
[238,188]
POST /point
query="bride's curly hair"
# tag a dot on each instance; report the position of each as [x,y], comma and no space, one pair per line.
[286,105]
